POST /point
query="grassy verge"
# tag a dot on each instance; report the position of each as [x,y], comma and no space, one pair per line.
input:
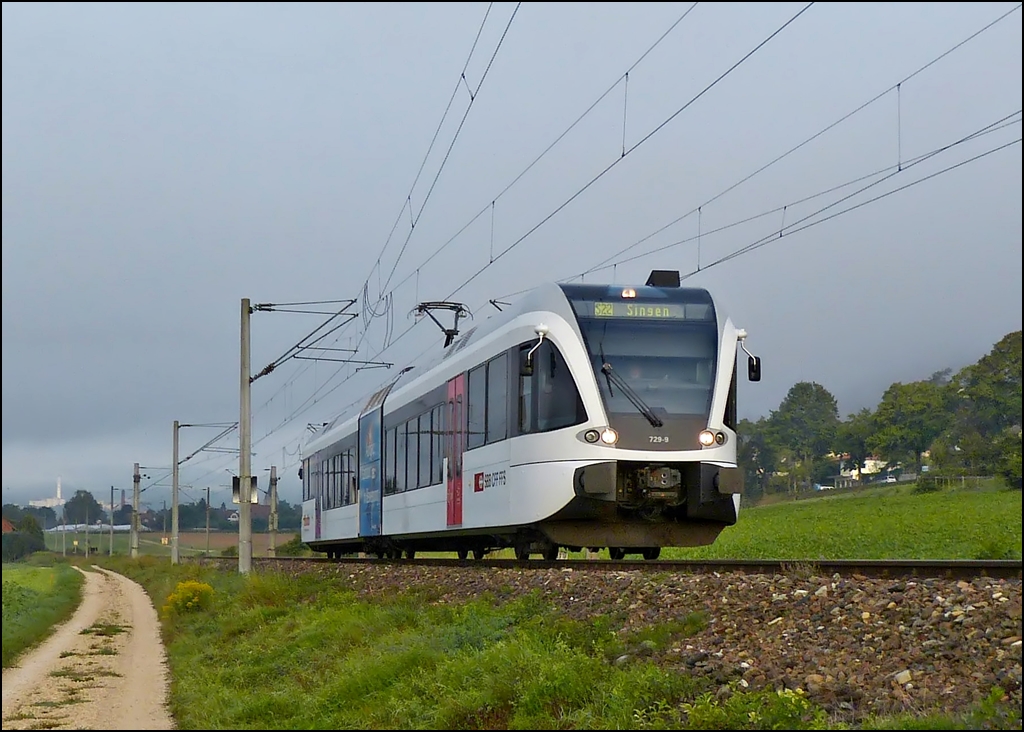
[35,600]
[886,523]
[273,651]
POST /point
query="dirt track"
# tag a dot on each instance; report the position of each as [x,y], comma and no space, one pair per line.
[103,669]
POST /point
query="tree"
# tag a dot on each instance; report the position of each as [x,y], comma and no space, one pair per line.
[991,388]
[756,455]
[289,516]
[852,437]
[82,508]
[805,424]
[45,515]
[908,419]
[28,524]
[986,405]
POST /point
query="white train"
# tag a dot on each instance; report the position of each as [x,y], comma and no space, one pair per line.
[583,416]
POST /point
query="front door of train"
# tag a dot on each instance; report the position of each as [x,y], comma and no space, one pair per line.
[454,446]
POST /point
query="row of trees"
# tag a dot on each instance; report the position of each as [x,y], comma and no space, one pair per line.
[969,423]
[83,508]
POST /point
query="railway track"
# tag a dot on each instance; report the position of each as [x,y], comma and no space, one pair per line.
[876,568]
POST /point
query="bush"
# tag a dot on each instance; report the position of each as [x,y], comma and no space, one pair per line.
[1009,467]
[294,547]
[190,596]
[765,709]
[18,545]
[926,483]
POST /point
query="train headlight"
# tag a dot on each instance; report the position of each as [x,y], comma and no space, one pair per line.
[706,438]
[591,436]
[609,436]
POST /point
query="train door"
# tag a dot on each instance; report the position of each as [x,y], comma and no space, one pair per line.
[454,446]
[370,477]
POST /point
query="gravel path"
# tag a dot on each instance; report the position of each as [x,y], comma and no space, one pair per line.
[857,646]
[103,669]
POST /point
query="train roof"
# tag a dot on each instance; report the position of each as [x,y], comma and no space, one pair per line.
[549,298]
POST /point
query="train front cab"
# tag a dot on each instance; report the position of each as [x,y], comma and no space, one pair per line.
[666,375]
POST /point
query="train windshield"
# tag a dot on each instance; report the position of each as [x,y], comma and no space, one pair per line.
[665,354]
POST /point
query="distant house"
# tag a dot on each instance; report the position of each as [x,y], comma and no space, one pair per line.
[8,526]
[873,465]
[256,511]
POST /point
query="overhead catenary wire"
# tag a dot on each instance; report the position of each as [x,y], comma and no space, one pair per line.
[999,124]
[810,139]
[775,237]
[376,267]
[551,146]
[636,145]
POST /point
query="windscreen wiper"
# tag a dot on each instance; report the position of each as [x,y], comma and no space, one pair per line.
[632,396]
[607,377]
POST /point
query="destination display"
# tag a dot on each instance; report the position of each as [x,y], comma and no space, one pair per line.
[647,310]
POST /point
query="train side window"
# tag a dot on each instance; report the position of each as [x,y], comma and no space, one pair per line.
[324,493]
[305,480]
[424,450]
[347,470]
[730,404]
[558,400]
[339,480]
[353,458]
[525,400]
[412,454]
[477,407]
[497,398]
[401,460]
[342,486]
[389,461]
[437,441]
[332,481]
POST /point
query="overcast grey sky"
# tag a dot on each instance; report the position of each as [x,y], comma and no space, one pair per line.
[162,161]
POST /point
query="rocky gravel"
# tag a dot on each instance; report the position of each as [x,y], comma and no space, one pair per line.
[857,646]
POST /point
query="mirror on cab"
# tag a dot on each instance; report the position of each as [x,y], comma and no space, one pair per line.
[754,368]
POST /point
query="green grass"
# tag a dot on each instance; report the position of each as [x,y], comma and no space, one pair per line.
[319,658]
[35,599]
[891,523]
[304,652]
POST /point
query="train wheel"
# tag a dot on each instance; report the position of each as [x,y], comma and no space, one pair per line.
[410,553]
[652,552]
[381,554]
[479,554]
[615,552]
[550,552]
[462,553]
[522,553]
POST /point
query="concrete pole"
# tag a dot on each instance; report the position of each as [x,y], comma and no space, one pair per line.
[174,497]
[207,520]
[244,447]
[111,520]
[272,522]
[134,541]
